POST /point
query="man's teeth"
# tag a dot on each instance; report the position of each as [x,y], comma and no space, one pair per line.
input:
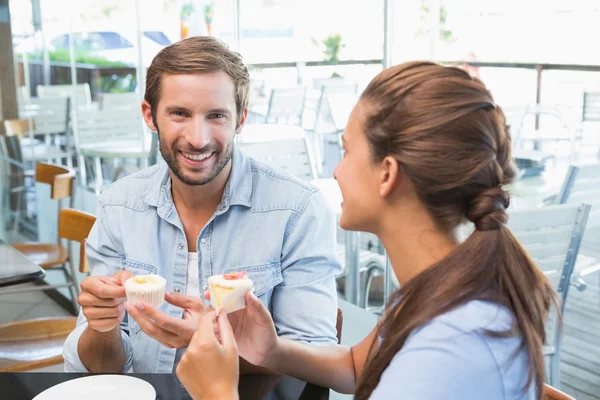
[197,157]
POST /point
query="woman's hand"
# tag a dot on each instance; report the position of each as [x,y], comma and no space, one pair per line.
[209,369]
[254,332]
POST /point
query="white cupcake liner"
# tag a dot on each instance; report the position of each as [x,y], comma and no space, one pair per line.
[235,300]
[153,294]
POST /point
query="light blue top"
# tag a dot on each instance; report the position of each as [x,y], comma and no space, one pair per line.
[452,358]
[278,229]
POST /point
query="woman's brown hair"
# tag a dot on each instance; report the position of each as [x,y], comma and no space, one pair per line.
[451,140]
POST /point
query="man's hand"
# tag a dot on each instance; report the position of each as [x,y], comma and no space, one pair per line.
[170,332]
[102,299]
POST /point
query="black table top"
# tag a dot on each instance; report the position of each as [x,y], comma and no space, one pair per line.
[27,385]
[15,268]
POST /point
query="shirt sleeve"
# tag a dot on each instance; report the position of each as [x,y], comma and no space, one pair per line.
[104,260]
[441,363]
[305,304]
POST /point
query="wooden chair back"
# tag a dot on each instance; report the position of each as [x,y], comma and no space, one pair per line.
[17,127]
[58,177]
[338,324]
[551,393]
[76,225]
[84,266]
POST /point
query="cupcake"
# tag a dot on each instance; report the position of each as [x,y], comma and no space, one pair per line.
[228,291]
[147,288]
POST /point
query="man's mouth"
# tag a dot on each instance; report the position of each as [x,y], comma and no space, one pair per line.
[197,156]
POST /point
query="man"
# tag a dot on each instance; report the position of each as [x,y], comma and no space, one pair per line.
[207,210]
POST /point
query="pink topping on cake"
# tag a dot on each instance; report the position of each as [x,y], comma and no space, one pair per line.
[232,276]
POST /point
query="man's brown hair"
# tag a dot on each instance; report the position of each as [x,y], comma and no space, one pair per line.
[199,54]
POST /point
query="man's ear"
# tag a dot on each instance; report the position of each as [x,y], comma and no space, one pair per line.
[147,114]
[243,117]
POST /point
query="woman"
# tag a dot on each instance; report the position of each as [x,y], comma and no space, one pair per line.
[426,148]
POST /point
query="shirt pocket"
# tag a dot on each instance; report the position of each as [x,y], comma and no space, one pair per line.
[264,277]
[137,268]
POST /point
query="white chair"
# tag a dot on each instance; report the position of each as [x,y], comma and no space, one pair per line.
[562,131]
[320,83]
[552,237]
[291,155]
[112,101]
[269,132]
[285,105]
[582,185]
[589,126]
[81,92]
[107,134]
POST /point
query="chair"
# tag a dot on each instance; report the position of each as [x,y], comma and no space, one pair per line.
[339,321]
[269,132]
[33,344]
[37,343]
[112,101]
[335,99]
[552,393]
[565,133]
[72,226]
[18,131]
[291,155]
[285,104]
[107,134]
[552,237]
[582,185]
[81,92]
[590,117]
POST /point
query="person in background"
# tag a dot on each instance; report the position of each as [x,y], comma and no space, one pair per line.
[426,149]
[206,210]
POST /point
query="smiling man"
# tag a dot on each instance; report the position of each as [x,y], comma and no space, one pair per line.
[206,210]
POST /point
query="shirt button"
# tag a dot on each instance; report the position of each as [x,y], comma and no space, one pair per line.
[204,287]
[203,240]
[180,245]
[176,290]
[222,208]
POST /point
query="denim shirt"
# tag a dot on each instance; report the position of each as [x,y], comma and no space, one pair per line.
[278,229]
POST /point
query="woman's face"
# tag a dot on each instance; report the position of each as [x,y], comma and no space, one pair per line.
[359,178]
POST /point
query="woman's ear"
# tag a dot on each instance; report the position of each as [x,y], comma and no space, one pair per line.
[390,174]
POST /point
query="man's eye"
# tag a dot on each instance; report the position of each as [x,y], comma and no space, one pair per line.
[217,116]
[179,113]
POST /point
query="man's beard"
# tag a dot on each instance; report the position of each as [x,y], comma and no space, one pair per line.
[169,156]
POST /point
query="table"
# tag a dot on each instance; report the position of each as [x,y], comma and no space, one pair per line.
[15,268]
[112,150]
[27,385]
[332,193]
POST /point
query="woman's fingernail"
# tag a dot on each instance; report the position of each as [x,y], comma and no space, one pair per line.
[127,306]
[139,306]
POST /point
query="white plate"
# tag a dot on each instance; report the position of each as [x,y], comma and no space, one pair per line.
[100,387]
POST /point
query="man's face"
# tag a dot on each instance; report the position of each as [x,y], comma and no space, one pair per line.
[196,123]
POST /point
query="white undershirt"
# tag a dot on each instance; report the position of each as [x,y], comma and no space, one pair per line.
[193,281]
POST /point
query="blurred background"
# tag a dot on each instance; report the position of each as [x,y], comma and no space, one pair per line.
[72,78]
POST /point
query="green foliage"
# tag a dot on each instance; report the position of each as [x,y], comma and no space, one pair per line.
[208,12]
[333,45]
[83,58]
[444,33]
